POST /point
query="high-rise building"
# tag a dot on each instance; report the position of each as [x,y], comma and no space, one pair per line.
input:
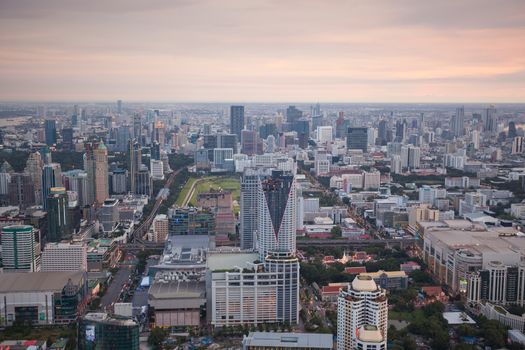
[277,222]
[64,257]
[20,250]
[67,138]
[237,120]
[144,182]
[458,122]
[137,128]
[293,114]
[357,138]
[122,137]
[96,167]
[77,180]
[517,145]
[362,316]
[512,130]
[489,118]
[134,164]
[58,225]
[101,173]
[249,202]
[401,131]
[119,183]
[276,214]
[21,190]
[249,141]
[51,177]
[119,106]
[108,215]
[324,134]
[410,157]
[34,165]
[50,131]
[497,283]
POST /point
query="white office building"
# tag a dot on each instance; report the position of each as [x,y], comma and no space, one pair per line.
[64,257]
[157,169]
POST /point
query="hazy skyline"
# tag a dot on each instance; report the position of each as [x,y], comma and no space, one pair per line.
[274,51]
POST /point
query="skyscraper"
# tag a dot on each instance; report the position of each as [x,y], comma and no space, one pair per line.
[137,128]
[357,138]
[458,122]
[119,106]
[77,180]
[293,114]
[401,130]
[249,142]
[101,174]
[96,167]
[249,205]
[362,316]
[489,119]
[134,164]
[20,249]
[50,131]
[67,138]
[58,226]
[34,165]
[21,190]
[277,222]
[237,120]
[517,145]
[51,177]
[276,216]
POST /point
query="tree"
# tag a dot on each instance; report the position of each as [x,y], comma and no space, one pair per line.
[157,337]
[336,231]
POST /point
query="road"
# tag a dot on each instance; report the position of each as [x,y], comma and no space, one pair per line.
[143,228]
[115,287]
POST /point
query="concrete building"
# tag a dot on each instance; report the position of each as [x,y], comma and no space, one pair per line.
[362,315]
[102,331]
[20,249]
[64,257]
[42,298]
[237,120]
[109,215]
[157,169]
[389,280]
[453,249]
[160,228]
[357,138]
[271,341]
[58,219]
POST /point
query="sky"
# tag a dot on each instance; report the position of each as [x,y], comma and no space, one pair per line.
[262,51]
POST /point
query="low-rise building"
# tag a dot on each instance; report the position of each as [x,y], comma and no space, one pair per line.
[389,280]
[303,341]
[42,298]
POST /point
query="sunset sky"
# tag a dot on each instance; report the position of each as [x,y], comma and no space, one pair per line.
[274,51]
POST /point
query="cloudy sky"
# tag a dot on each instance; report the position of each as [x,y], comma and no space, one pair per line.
[274,50]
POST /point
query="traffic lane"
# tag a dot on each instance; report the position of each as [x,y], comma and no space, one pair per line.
[116,286]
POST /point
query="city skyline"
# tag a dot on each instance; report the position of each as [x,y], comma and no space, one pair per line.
[263,51]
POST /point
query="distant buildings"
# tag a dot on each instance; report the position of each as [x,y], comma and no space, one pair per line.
[357,138]
[237,120]
[50,131]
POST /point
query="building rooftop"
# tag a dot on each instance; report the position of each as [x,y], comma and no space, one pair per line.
[222,260]
[289,340]
[369,333]
[389,274]
[364,284]
[38,281]
[102,317]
